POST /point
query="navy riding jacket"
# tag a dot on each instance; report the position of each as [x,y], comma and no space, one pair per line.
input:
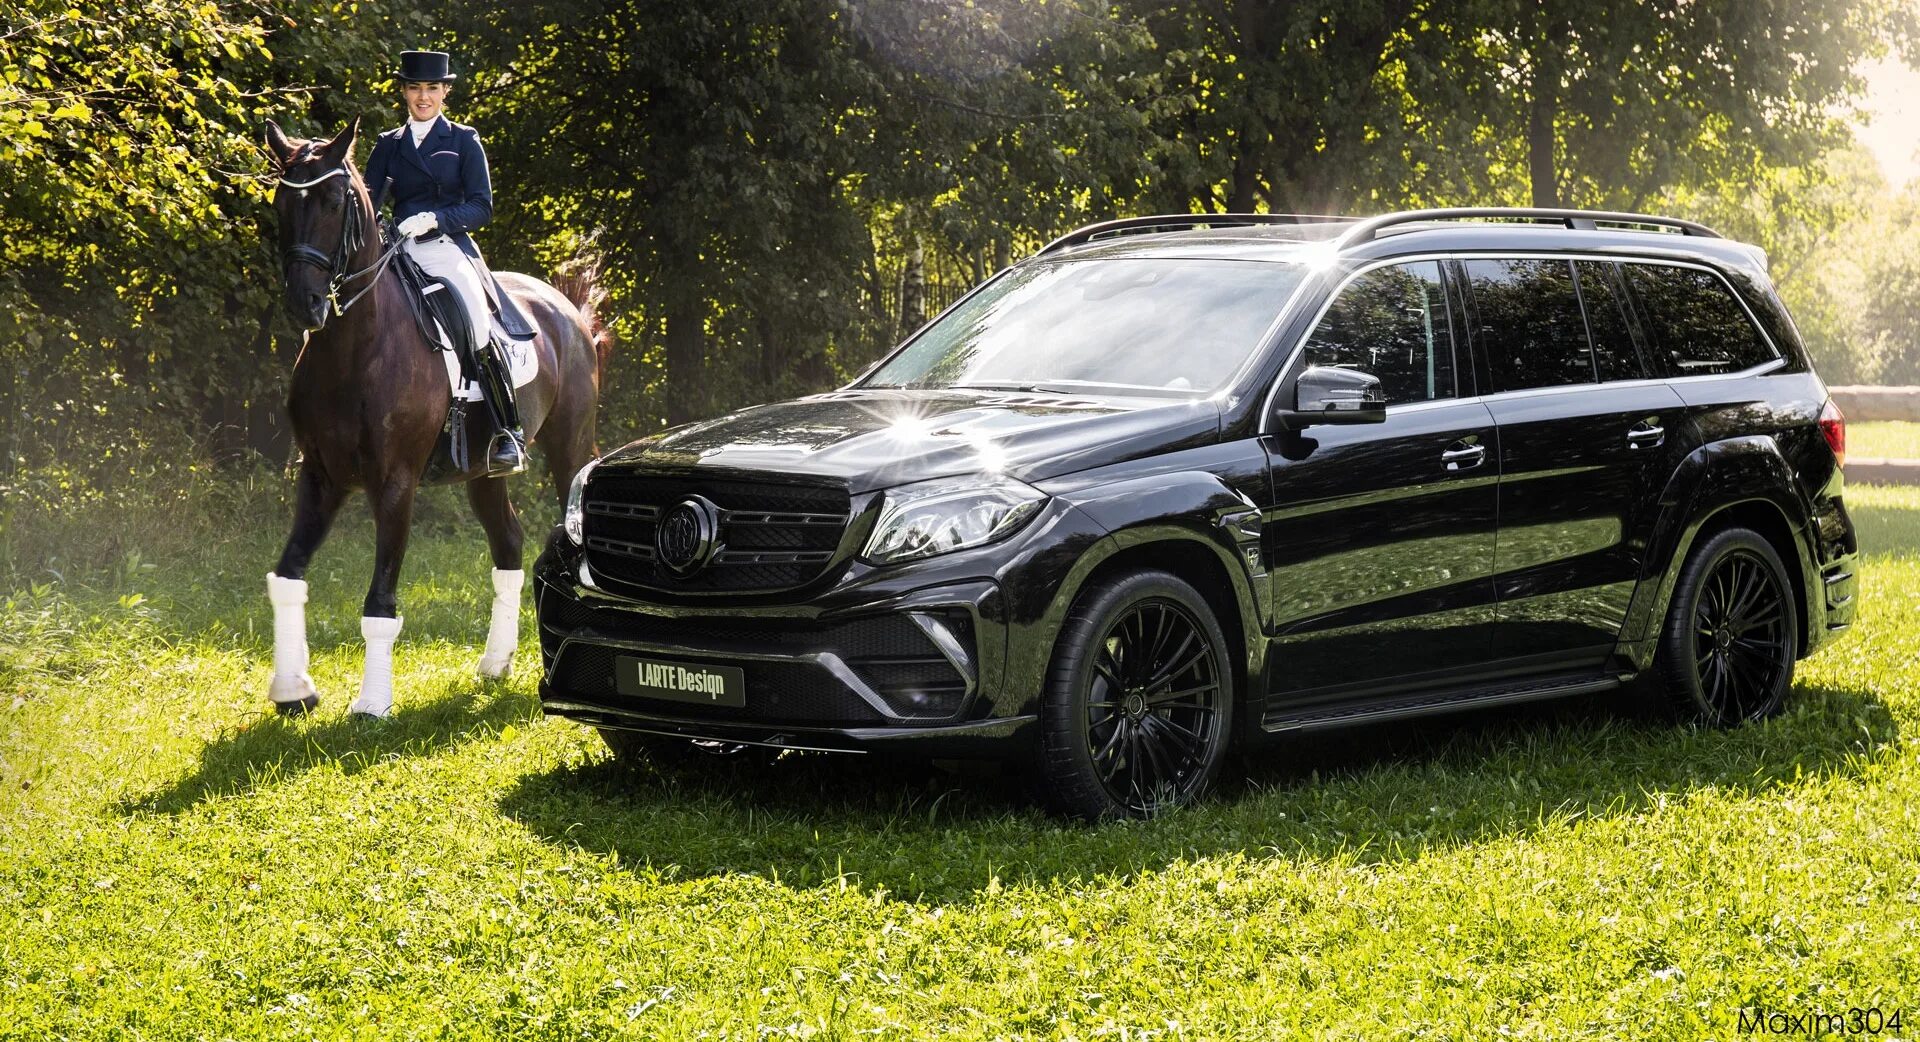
[447,174]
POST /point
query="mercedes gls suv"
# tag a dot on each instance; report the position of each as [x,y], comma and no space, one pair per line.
[1175,484]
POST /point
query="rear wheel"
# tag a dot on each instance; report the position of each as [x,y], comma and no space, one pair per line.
[1138,709]
[1731,637]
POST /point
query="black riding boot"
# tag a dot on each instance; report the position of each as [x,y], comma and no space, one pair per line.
[507,450]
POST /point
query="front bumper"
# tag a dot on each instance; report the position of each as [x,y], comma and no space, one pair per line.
[873,668]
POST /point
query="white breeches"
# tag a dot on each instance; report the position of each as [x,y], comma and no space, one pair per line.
[442,259]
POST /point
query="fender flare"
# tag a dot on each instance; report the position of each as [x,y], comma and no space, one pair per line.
[1713,478]
[1190,508]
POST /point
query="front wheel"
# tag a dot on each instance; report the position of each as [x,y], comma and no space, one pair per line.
[1138,709]
[1727,653]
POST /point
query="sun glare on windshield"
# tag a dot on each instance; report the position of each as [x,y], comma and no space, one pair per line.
[1148,326]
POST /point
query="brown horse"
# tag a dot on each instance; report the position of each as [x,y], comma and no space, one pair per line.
[368,401]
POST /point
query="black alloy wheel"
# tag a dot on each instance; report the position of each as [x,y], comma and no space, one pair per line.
[1139,701]
[1732,632]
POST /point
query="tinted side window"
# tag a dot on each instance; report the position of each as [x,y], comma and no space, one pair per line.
[1530,324]
[1391,322]
[1614,354]
[1693,322]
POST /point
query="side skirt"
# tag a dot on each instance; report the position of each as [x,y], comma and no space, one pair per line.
[1430,703]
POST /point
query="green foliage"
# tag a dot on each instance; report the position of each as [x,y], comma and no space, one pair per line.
[1609,106]
[781,190]
[138,285]
[181,864]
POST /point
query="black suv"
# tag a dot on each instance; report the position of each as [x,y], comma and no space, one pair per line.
[1177,483]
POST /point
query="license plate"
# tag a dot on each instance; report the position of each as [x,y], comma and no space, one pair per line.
[680,681]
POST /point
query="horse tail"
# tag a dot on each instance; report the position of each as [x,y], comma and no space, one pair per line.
[579,281]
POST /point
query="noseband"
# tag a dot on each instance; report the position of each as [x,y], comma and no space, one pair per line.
[352,236]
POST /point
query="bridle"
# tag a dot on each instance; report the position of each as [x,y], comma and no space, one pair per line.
[352,236]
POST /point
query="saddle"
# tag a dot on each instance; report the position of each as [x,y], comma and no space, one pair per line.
[435,306]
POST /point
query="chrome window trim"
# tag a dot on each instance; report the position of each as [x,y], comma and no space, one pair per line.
[1779,359]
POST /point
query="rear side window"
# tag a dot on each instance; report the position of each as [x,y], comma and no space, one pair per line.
[1530,326]
[1614,355]
[1392,322]
[1693,323]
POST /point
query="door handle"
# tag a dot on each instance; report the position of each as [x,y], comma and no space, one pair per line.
[1464,457]
[1646,436]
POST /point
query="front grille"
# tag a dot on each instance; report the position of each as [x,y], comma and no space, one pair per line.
[771,536]
[890,654]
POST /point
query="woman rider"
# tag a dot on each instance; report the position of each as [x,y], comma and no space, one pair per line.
[436,174]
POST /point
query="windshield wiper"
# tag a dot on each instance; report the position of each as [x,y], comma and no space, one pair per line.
[1008,385]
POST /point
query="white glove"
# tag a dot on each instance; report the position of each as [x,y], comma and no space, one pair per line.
[419,224]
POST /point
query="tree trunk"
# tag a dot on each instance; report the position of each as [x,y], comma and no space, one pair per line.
[686,319]
[1540,110]
[913,288]
[1248,149]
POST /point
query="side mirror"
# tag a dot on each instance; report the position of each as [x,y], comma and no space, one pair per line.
[1330,394]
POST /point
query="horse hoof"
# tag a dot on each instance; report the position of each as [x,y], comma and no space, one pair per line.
[300,707]
[366,714]
[489,670]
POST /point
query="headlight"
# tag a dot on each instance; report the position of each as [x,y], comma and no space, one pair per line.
[933,517]
[576,522]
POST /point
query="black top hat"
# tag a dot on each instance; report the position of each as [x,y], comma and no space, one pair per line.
[423,67]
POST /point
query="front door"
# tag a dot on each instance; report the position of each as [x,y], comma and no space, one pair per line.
[1381,536]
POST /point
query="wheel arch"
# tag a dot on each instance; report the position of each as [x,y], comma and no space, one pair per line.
[1195,527]
[1744,482]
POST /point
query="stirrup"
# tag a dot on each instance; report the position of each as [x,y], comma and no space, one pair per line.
[506,455]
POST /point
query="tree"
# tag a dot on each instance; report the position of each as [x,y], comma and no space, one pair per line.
[1610,105]
[734,157]
[1273,103]
[137,275]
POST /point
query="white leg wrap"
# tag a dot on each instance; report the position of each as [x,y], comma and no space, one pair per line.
[376,684]
[503,633]
[290,680]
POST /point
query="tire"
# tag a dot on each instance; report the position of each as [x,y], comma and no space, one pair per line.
[672,753]
[1732,633]
[1137,713]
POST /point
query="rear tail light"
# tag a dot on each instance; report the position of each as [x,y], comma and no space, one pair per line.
[1834,426]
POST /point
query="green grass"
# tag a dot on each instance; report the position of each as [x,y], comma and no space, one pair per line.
[1885,439]
[177,863]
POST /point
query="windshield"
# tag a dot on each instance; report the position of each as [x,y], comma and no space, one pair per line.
[1159,326]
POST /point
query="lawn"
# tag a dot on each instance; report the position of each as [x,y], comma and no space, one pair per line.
[1884,439]
[177,863]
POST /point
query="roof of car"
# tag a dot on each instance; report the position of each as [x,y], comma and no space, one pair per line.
[1363,239]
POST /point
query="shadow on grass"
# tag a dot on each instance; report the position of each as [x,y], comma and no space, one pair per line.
[273,749]
[1378,794]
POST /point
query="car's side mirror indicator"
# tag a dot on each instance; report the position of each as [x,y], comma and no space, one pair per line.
[1332,394]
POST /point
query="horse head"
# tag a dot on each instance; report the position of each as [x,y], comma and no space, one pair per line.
[324,217]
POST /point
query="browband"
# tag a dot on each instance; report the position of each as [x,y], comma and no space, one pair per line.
[338,171]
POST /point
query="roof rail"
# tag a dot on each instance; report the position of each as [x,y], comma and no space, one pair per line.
[1371,227]
[1178,222]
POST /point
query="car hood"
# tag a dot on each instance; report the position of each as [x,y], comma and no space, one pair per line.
[869,439]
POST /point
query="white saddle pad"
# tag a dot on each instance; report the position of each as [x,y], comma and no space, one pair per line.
[523,364]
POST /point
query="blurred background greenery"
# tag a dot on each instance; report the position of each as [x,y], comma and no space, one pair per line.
[779,189]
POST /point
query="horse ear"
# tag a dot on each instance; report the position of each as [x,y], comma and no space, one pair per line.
[340,148]
[278,144]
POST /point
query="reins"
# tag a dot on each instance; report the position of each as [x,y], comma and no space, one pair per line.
[352,236]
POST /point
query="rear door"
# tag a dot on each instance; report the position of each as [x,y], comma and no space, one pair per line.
[1586,443]
[1381,535]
